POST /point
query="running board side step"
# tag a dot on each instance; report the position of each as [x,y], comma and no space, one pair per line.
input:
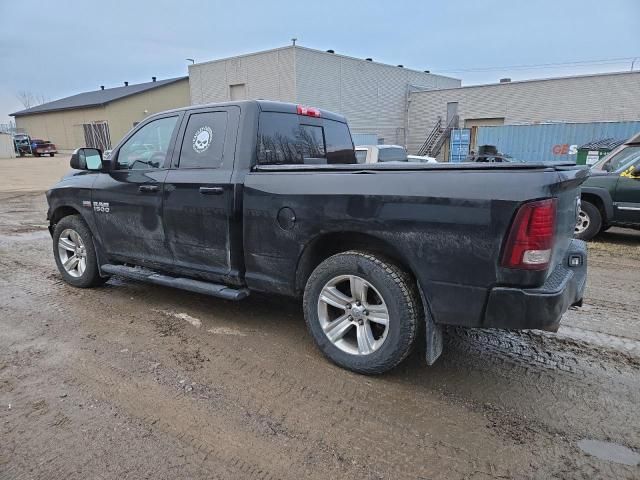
[197,286]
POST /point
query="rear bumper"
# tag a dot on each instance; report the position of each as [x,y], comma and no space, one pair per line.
[540,308]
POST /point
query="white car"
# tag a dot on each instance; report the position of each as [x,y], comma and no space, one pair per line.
[380,153]
[421,159]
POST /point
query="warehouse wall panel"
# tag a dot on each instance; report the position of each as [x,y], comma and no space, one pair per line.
[592,98]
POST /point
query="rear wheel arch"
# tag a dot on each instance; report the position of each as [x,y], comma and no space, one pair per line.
[324,246]
[601,199]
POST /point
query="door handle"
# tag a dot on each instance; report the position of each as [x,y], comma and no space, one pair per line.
[148,188]
[211,190]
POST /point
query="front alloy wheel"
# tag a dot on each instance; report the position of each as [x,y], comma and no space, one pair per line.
[72,253]
[75,253]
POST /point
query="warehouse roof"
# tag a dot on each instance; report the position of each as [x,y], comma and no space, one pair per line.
[322,52]
[96,98]
[533,80]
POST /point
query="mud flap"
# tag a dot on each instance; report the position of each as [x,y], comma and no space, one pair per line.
[433,340]
[433,333]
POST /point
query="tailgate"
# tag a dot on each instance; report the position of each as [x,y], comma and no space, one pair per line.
[567,191]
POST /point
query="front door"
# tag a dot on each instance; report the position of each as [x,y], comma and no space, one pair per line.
[127,200]
[627,195]
[199,195]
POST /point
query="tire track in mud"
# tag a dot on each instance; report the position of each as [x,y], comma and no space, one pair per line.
[288,400]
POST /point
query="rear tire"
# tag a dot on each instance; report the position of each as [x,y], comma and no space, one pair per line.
[589,221]
[52,154]
[75,254]
[362,311]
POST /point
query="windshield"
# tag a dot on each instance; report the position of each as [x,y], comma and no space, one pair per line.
[619,160]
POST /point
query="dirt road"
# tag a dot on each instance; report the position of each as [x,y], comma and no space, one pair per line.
[139,381]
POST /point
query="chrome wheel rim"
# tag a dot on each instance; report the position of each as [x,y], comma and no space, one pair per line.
[583,222]
[72,253]
[353,315]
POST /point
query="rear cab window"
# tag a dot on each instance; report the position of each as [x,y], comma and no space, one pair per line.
[291,139]
[392,154]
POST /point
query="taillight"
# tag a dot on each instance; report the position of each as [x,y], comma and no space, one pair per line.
[308,111]
[530,239]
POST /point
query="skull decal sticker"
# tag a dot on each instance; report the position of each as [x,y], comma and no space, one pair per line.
[202,139]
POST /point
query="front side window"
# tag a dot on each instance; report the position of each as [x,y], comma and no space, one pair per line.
[203,142]
[148,147]
[618,161]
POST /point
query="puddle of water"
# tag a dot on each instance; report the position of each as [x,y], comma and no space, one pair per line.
[610,451]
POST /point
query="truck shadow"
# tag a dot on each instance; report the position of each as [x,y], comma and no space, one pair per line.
[619,236]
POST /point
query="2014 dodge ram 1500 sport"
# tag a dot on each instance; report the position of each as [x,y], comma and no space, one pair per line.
[231,198]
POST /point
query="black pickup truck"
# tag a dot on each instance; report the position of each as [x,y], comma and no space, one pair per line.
[231,198]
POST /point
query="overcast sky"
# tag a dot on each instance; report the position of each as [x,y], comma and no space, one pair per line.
[59,48]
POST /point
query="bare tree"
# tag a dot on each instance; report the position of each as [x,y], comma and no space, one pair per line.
[30,99]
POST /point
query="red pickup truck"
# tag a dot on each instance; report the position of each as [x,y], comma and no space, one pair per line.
[42,147]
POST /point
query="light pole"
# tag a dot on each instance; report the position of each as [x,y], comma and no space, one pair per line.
[190,60]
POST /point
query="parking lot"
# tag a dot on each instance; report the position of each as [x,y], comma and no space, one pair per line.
[132,380]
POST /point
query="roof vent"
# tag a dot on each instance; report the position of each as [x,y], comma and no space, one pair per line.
[369,59]
[427,71]
[126,84]
[101,87]
[153,79]
[401,66]
[505,80]
[330,51]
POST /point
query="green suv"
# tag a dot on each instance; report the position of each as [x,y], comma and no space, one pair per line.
[611,196]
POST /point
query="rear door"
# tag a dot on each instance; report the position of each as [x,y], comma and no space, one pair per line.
[198,195]
[127,201]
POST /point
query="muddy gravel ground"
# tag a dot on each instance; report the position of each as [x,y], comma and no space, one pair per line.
[138,381]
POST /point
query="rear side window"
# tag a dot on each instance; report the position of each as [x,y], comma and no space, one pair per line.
[285,139]
[203,142]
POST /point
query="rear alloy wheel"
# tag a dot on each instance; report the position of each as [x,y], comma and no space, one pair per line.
[356,322]
[362,311]
[589,221]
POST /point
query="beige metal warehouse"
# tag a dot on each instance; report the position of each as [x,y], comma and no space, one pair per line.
[102,117]
[372,95]
[585,98]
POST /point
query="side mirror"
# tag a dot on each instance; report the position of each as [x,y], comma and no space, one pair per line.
[86,159]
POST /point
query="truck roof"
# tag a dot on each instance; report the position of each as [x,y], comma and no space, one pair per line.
[263,106]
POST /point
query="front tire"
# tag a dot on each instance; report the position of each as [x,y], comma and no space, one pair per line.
[75,254]
[589,221]
[362,311]
[52,154]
